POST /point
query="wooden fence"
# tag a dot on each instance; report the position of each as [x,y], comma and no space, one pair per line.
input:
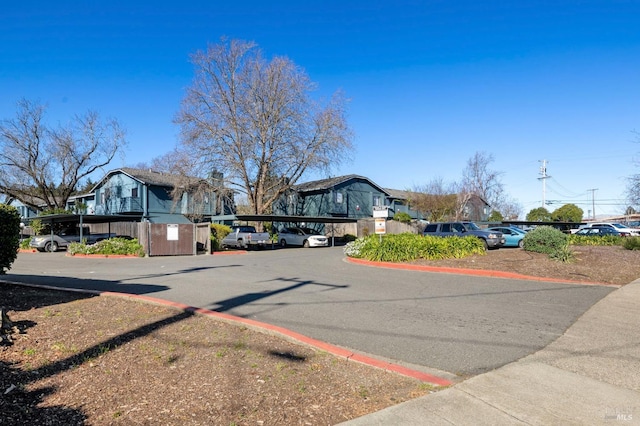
[367,227]
[162,239]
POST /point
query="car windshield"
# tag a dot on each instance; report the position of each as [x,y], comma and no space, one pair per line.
[619,225]
[310,231]
[472,226]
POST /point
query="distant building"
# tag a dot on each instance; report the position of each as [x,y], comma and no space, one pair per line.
[356,197]
[349,196]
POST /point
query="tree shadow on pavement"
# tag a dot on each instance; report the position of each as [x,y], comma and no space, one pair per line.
[21,404]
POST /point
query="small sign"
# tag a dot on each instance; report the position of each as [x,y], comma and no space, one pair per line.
[381,225]
[380,211]
[172,232]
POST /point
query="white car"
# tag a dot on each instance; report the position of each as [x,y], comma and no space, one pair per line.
[622,229]
[305,237]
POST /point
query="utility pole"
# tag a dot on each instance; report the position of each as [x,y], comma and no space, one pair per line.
[543,177]
[593,202]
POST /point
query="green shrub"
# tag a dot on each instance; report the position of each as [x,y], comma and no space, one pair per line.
[218,232]
[598,240]
[112,246]
[272,230]
[37,226]
[24,244]
[407,247]
[563,254]
[550,241]
[9,236]
[545,239]
[402,217]
[631,243]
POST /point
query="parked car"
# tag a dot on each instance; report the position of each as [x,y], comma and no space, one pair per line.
[512,236]
[624,230]
[305,237]
[597,231]
[62,240]
[245,237]
[491,239]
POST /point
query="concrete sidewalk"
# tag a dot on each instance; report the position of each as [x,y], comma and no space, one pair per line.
[589,376]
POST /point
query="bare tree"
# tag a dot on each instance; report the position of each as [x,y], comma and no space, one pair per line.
[42,165]
[633,189]
[254,120]
[509,208]
[480,180]
[437,200]
[633,182]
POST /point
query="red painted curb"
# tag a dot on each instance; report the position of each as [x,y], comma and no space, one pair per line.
[117,256]
[326,347]
[216,253]
[477,272]
[323,346]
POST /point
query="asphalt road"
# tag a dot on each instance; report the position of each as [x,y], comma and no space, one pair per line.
[459,324]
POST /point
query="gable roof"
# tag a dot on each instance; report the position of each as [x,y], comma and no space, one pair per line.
[399,194]
[150,177]
[325,184]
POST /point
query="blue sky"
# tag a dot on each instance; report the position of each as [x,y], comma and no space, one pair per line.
[430,82]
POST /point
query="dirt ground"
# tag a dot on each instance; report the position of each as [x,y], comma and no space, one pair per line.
[595,264]
[78,359]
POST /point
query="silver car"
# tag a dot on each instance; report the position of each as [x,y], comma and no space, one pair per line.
[305,237]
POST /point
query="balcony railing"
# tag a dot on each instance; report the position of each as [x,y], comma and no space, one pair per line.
[120,206]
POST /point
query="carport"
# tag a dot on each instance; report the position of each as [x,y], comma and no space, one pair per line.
[283,219]
[81,219]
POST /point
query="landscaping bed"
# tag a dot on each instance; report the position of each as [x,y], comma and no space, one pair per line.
[108,360]
[599,264]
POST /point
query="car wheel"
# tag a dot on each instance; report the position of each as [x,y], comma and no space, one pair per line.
[486,245]
[51,246]
[283,243]
[305,244]
[520,244]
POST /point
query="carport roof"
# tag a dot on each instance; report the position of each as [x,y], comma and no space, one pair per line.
[283,218]
[86,218]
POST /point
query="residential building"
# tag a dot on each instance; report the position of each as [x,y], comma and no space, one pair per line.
[150,194]
[350,196]
[24,211]
[356,197]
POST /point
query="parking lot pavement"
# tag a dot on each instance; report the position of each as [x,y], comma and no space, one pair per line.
[452,323]
[589,376]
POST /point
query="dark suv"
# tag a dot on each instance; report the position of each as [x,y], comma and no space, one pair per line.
[491,239]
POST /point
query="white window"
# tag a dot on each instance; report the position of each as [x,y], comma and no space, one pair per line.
[338,197]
